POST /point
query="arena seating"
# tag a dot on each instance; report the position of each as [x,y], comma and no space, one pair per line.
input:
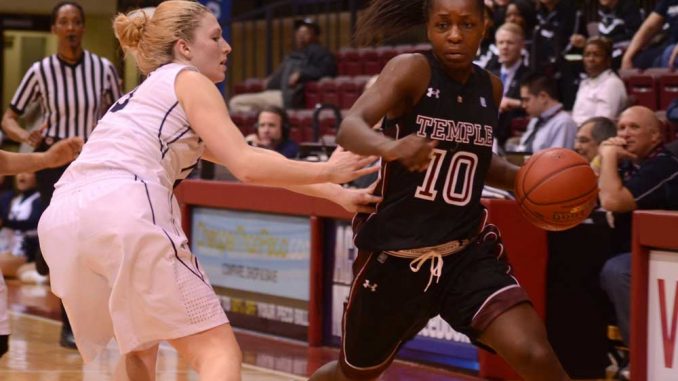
[654,88]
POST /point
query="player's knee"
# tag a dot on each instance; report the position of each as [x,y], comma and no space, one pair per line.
[531,353]
[221,359]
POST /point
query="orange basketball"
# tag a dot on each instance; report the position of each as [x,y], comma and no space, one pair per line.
[556,189]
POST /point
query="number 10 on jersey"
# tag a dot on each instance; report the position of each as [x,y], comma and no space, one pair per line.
[458,185]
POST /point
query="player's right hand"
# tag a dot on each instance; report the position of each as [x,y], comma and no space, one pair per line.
[64,151]
[346,166]
[412,151]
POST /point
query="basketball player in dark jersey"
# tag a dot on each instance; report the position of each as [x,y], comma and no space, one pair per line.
[427,249]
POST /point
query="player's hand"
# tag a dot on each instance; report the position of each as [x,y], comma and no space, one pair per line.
[346,166]
[615,146]
[63,152]
[358,200]
[412,151]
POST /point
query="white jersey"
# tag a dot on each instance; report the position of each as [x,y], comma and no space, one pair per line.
[146,133]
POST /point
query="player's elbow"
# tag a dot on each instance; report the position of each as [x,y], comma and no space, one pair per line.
[245,173]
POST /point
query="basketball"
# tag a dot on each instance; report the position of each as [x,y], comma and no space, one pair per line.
[556,189]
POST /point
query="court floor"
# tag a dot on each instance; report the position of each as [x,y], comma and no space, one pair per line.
[36,356]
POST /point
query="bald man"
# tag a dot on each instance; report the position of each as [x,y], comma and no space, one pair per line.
[636,172]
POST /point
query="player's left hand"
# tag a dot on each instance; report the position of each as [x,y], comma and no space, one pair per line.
[64,151]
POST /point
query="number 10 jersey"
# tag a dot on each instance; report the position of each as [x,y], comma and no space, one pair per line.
[442,204]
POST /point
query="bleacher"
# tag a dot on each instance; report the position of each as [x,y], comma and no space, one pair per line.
[355,66]
[654,88]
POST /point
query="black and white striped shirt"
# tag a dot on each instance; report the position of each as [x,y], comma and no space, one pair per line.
[72,96]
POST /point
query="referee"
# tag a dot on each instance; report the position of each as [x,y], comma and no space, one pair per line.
[75,87]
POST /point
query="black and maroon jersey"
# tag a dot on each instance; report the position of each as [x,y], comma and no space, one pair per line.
[442,204]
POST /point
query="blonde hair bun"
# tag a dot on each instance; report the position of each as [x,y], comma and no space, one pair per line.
[129,28]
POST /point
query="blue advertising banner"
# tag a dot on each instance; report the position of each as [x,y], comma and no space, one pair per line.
[254,252]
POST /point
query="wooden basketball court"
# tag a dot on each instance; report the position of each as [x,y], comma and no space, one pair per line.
[35,354]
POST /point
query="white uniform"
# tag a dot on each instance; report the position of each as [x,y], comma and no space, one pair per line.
[112,234]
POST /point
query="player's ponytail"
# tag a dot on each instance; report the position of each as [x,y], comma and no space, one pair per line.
[150,34]
[387,18]
[129,28]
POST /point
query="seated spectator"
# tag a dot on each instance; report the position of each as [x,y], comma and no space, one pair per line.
[487,49]
[20,213]
[617,21]
[510,68]
[644,51]
[522,12]
[637,173]
[273,132]
[602,93]
[589,136]
[556,22]
[550,125]
[285,87]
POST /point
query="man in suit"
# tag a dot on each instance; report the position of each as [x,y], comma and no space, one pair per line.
[510,68]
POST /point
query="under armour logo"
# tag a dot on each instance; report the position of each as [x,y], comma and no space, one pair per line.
[482,102]
[372,287]
[433,92]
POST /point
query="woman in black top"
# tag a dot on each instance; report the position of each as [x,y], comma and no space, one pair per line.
[436,106]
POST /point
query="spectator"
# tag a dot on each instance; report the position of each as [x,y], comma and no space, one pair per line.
[637,173]
[74,87]
[603,93]
[589,136]
[284,88]
[487,49]
[522,12]
[618,20]
[510,68]
[20,213]
[550,125]
[642,51]
[556,22]
[273,132]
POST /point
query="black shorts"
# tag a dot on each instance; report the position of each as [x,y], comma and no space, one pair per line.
[387,304]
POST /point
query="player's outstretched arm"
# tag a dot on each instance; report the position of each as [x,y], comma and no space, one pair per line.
[208,116]
[59,154]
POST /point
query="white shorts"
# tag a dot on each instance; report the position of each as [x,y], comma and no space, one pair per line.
[122,265]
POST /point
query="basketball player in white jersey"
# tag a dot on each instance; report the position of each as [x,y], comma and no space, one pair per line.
[112,234]
[12,163]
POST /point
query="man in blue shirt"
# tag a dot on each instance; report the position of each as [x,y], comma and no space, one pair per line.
[637,172]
